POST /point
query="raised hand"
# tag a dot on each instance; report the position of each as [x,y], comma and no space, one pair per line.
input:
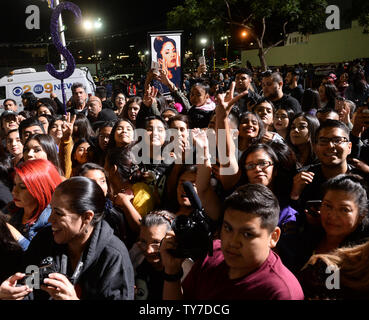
[300,181]
[150,96]
[226,101]
[360,121]
[68,124]
[360,165]
[201,70]
[230,93]
[200,138]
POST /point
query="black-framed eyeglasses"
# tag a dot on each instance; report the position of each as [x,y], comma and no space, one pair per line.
[324,141]
[262,164]
[143,245]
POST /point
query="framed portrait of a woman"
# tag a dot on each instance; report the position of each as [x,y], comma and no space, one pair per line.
[166,54]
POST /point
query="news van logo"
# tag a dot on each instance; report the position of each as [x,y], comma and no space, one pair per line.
[38,89]
[17,91]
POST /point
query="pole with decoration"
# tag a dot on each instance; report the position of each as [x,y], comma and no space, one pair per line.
[59,42]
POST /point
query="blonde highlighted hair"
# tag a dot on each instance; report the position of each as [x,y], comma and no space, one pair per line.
[353,264]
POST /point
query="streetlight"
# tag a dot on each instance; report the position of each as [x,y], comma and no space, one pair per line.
[203,41]
[89,26]
[227,46]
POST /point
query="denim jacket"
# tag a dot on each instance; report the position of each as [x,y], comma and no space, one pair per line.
[28,231]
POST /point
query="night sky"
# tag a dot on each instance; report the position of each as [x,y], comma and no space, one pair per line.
[132,18]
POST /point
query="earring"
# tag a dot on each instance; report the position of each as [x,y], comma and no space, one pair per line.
[86,230]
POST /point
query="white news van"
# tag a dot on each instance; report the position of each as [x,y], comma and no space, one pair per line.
[41,84]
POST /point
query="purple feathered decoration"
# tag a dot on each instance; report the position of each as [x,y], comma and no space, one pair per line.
[59,46]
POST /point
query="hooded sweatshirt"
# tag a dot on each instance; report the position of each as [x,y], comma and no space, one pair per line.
[106,271]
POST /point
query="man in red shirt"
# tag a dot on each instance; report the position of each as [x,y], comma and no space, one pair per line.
[243,265]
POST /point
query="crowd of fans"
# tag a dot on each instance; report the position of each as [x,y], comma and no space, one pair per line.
[96,192]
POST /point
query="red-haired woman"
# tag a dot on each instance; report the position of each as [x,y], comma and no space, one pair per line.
[34,184]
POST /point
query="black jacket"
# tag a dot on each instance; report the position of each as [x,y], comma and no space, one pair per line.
[288,101]
[107,271]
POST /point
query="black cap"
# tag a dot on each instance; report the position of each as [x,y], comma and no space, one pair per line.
[105,115]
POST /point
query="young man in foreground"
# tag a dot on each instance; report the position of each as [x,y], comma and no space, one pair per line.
[243,265]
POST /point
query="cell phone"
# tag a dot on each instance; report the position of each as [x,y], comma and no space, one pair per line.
[312,207]
[155,65]
[220,90]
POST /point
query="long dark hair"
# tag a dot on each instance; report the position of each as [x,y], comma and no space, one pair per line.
[253,148]
[137,100]
[112,144]
[261,132]
[313,126]
[84,128]
[48,145]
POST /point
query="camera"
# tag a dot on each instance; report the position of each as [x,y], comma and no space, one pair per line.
[47,266]
[39,274]
[194,233]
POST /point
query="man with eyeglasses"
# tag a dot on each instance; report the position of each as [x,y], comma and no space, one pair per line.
[145,255]
[272,85]
[332,146]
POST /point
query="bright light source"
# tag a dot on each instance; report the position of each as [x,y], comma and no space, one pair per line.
[87,25]
[203,40]
[244,34]
[99,52]
[98,24]
[146,52]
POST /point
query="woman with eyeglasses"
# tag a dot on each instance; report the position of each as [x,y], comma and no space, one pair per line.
[119,101]
[259,164]
[301,136]
[145,255]
[344,221]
